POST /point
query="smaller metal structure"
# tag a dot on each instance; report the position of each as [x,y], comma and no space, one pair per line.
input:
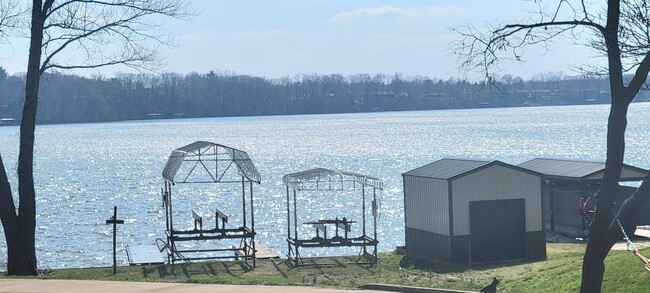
[326,179]
[568,191]
[210,163]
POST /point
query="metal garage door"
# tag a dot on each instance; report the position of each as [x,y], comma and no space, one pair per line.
[497,229]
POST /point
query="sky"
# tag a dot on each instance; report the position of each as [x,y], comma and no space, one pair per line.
[283,38]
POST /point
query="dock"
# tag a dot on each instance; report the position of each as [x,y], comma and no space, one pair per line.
[262,252]
[150,255]
[144,255]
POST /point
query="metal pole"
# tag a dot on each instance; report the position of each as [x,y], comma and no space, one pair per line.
[113,220]
[288,215]
[167,190]
[363,208]
[114,239]
[243,198]
[252,224]
[295,216]
[288,224]
[165,205]
[363,213]
[295,225]
[170,241]
[171,209]
[374,216]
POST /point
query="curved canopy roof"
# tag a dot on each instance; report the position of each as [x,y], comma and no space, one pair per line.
[321,178]
[212,160]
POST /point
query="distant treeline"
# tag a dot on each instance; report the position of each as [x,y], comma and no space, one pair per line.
[70,98]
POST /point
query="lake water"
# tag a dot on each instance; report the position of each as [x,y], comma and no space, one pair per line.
[83,170]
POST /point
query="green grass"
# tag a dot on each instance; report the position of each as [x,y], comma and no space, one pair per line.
[559,273]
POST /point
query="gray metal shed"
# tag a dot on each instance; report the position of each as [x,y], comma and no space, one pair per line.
[567,190]
[469,210]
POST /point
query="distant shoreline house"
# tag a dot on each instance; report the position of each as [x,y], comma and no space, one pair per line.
[161,116]
[8,121]
[460,211]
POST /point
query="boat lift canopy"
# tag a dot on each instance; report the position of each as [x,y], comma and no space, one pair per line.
[207,162]
[337,180]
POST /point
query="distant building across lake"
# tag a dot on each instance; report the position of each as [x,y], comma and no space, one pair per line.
[8,121]
[161,116]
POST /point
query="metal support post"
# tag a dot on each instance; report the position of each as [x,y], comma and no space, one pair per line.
[113,220]
[250,185]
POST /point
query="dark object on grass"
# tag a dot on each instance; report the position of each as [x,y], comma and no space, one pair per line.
[492,287]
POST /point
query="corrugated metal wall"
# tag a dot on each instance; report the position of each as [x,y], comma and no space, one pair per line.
[488,184]
[426,204]
[424,245]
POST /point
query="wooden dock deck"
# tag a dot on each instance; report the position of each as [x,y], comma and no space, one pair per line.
[263,252]
[150,255]
[144,255]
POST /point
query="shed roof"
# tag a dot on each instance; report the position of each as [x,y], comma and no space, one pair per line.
[579,170]
[202,151]
[446,168]
[450,169]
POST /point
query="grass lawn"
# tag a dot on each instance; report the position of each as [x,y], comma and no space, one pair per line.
[559,273]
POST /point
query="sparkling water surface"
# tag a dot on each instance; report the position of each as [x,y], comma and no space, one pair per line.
[83,170]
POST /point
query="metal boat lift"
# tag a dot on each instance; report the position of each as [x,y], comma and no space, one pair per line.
[210,163]
[326,179]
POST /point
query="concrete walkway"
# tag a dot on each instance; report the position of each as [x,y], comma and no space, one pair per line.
[55,286]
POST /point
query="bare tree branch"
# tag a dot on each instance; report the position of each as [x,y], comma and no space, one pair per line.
[639,78]
[10,18]
[108,32]
[484,51]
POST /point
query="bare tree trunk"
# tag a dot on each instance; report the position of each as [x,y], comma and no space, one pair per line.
[21,242]
[603,232]
[20,245]
[8,214]
[601,237]
[71,28]
[20,260]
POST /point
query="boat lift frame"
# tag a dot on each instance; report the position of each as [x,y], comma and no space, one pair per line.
[216,163]
[328,179]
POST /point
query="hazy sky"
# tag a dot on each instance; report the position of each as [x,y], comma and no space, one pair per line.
[287,37]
